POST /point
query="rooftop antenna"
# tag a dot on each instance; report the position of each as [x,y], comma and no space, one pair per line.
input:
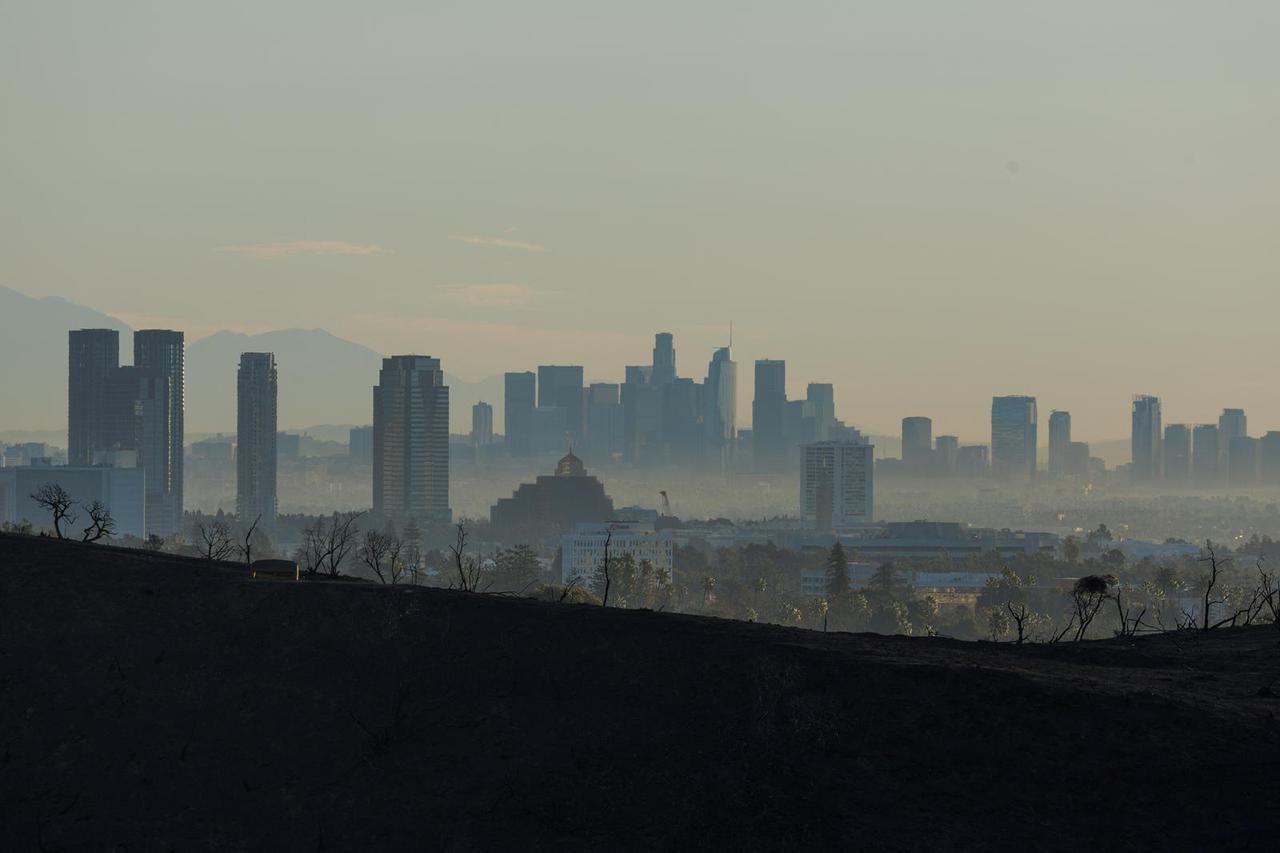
[730,334]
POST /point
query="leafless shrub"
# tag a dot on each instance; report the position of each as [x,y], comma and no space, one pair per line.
[381,554]
[101,523]
[469,569]
[214,540]
[327,543]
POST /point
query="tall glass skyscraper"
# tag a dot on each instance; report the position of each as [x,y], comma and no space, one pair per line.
[1059,442]
[720,418]
[257,393]
[92,356]
[411,439]
[1145,438]
[1013,437]
[519,399]
[769,415]
[161,352]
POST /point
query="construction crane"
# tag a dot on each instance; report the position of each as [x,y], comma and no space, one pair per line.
[666,504]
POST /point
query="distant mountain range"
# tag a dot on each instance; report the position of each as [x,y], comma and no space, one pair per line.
[324,379]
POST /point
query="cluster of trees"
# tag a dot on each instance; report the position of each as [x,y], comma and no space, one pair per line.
[1202,594]
[55,500]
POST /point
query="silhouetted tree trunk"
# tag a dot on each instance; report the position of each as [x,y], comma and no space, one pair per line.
[53,498]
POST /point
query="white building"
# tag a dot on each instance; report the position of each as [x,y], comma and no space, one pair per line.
[837,484]
[582,551]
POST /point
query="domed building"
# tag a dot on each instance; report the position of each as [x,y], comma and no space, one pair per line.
[554,503]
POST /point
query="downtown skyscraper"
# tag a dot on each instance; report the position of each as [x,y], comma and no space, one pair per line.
[130,416]
[1059,442]
[1013,437]
[519,399]
[769,416]
[92,356]
[257,394]
[1146,435]
[161,351]
[720,415]
[411,439]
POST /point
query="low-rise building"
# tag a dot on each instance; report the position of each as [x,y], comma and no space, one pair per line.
[582,550]
[121,490]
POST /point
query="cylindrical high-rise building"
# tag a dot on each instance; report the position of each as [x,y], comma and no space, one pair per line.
[92,356]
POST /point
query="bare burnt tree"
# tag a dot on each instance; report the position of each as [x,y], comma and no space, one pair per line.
[327,545]
[214,540]
[1268,594]
[101,523]
[458,549]
[246,549]
[1129,623]
[381,554]
[604,568]
[1019,614]
[54,499]
[1215,565]
[469,569]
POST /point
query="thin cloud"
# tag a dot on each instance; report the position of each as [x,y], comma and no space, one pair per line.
[272,251]
[491,295]
[498,242]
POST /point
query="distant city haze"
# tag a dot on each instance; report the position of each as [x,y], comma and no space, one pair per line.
[925,204]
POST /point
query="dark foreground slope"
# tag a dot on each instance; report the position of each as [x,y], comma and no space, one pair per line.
[152,703]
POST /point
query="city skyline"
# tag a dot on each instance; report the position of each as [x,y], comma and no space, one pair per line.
[506,200]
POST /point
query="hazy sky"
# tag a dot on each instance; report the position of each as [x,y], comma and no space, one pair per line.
[926,203]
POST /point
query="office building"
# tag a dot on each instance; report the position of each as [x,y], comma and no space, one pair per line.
[92,356]
[1243,459]
[551,504]
[162,351]
[1232,424]
[682,422]
[641,416]
[605,429]
[821,396]
[1269,459]
[138,404]
[837,484]
[1177,453]
[1078,463]
[1059,438]
[360,444]
[519,398]
[917,445]
[973,460]
[769,416]
[288,446]
[481,424]
[1206,454]
[560,387]
[411,439]
[720,410]
[1145,436]
[257,394]
[582,550]
[664,359]
[946,455]
[120,489]
[1013,437]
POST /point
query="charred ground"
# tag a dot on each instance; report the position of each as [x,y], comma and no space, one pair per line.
[155,702]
